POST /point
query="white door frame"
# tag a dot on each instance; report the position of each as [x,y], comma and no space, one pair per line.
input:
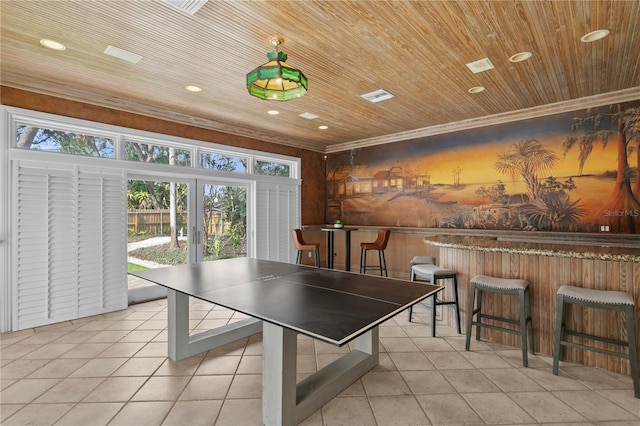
[195,222]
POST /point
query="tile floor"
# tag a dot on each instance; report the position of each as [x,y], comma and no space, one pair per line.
[112,370]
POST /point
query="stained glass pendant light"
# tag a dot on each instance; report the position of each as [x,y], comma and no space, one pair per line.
[275,80]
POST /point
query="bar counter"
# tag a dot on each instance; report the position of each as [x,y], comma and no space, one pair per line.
[546,266]
[568,249]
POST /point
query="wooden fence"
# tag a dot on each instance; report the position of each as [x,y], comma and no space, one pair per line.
[158,222]
[154,221]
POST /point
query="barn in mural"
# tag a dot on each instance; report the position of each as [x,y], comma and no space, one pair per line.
[570,172]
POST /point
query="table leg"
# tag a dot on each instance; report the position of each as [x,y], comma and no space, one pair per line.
[178,324]
[347,250]
[285,402]
[279,375]
[325,384]
[330,250]
[182,345]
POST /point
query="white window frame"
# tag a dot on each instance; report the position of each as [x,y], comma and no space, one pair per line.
[11,117]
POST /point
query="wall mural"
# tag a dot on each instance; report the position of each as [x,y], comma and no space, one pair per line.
[571,172]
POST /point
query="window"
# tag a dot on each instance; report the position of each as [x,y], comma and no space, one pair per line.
[223,162]
[51,140]
[69,216]
[159,154]
[271,168]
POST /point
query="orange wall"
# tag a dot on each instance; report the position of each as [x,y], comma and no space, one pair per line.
[313,186]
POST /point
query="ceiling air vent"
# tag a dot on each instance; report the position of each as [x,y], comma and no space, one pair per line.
[125,55]
[187,6]
[377,96]
[480,66]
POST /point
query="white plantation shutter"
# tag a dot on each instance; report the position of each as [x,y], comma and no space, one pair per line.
[69,241]
[43,274]
[100,243]
[277,212]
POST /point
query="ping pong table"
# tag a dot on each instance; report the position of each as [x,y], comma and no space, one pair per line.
[283,300]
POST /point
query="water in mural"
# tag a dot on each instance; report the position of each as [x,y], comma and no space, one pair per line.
[572,172]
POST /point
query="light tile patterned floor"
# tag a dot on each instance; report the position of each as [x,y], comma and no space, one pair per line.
[112,370]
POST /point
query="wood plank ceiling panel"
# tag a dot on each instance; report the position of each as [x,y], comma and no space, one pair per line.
[417,50]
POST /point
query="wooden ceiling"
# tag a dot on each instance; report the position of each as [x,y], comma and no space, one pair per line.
[416,50]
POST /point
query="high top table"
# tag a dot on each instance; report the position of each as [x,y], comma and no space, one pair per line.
[283,300]
[331,231]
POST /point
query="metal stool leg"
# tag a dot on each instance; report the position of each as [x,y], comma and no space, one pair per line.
[455,298]
[527,307]
[433,315]
[384,261]
[633,351]
[523,328]
[472,294]
[479,313]
[412,277]
[557,348]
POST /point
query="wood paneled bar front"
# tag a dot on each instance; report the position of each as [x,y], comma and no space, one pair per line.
[547,266]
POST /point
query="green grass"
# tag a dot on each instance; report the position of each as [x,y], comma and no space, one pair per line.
[131,267]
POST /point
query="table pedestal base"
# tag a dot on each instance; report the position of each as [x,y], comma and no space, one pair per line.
[284,402]
[182,346]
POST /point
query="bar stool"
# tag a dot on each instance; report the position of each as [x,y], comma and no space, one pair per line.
[380,244]
[421,260]
[301,245]
[484,283]
[433,273]
[601,299]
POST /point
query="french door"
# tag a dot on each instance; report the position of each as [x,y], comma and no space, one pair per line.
[191,220]
[219,228]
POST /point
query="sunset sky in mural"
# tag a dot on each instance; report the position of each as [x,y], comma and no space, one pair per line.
[475,151]
[476,162]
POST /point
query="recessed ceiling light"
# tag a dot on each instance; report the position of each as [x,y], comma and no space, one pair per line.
[594,35]
[519,57]
[125,55]
[51,44]
[308,116]
[273,112]
[193,88]
[476,89]
[480,65]
[323,127]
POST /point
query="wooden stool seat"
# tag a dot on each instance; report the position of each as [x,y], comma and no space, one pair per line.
[508,286]
[601,299]
[433,273]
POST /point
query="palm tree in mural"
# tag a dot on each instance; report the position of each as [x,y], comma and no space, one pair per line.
[554,211]
[550,207]
[632,128]
[620,211]
[528,159]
